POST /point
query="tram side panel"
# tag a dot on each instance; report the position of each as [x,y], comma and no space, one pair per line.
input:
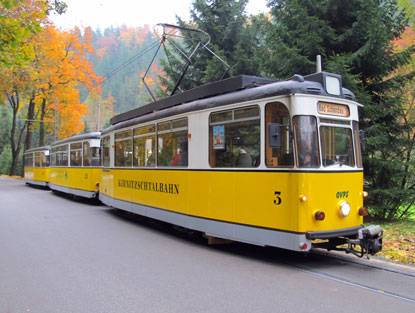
[246,206]
[78,181]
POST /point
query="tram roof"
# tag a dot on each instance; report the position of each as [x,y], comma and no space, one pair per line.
[42,148]
[94,135]
[208,90]
[232,90]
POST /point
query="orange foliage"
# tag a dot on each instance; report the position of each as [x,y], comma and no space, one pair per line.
[407,39]
[61,66]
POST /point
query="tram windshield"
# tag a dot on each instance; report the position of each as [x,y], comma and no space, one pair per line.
[305,134]
[336,146]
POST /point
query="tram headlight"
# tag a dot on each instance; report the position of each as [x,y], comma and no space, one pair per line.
[345,209]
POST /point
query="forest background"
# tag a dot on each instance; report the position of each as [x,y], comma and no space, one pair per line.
[55,83]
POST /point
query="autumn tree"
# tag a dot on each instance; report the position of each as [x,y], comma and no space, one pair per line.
[19,21]
[60,67]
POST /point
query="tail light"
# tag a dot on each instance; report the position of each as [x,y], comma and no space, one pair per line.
[363,211]
[319,215]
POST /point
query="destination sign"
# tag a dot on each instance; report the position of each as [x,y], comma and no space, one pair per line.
[333,109]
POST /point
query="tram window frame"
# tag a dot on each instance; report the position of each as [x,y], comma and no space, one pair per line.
[174,154]
[123,150]
[228,146]
[282,156]
[106,151]
[76,154]
[143,155]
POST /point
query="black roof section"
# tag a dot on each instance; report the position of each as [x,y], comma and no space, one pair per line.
[209,90]
[297,85]
[232,90]
[95,135]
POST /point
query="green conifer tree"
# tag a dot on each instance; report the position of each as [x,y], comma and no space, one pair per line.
[232,39]
[355,38]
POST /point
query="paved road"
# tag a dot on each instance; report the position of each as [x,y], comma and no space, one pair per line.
[58,255]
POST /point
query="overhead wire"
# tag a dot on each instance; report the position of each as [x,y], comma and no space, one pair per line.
[122,66]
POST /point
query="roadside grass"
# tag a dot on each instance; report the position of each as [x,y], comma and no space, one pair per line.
[14,177]
[398,241]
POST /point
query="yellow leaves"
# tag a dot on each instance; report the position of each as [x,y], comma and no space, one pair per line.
[399,242]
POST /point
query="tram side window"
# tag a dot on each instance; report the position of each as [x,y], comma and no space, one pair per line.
[87,157]
[37,159]
[105,148]
[235,138]
[95,156]
[305,134]
[123,149]
[282,156]
[28,160]
[53,156]
[172,143]
[144,146]
[76,154]
[44,159]
[61,155]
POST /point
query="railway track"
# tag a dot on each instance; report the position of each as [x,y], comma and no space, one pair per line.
[390,280]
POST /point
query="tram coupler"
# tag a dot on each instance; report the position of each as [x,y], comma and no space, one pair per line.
[369,239]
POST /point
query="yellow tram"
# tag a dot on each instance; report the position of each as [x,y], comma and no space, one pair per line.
[36,166]
[75,165]
[272,163]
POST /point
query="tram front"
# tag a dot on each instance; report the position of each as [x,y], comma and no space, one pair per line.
[330,174]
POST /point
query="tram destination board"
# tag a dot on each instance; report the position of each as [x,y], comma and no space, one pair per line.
[208,90]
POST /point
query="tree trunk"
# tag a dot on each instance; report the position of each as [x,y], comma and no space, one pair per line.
[42,124]
[30,118]
[16,146]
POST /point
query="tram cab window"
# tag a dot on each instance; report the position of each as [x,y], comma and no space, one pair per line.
[37,159]
[53,156]
[62,155]
[29,160]
[336,146]
[105,148]
[235,138]
[45,159]
[359,162]
[144,146]
[305,134]
[86,153]
[95,157]
[76,154]
[124,149]
[282,156]
[172,143]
